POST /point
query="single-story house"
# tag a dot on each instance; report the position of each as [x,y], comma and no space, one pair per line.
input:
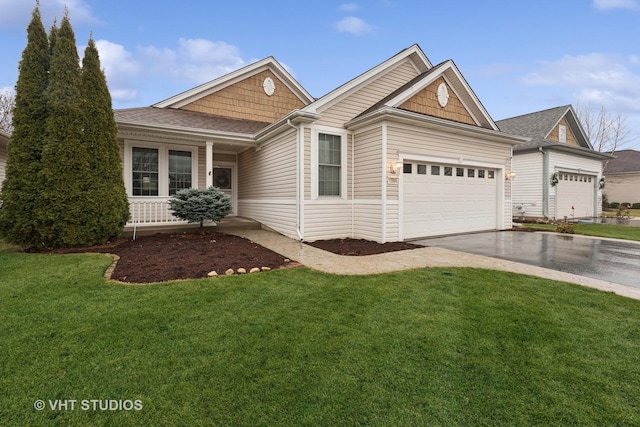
[4,148]
[623,177]
[402,151]
[558,173]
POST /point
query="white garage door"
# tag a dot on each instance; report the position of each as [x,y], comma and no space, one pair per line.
[443,199]
[575,191]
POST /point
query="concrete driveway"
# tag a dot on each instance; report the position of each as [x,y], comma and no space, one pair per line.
[604,259]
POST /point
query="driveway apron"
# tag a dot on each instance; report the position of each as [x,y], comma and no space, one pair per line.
[604,259]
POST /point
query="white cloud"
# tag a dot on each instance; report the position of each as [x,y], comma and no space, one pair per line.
[193,61]
[615,4]
[594,78]
[349,7]
[17,13]
[353,25]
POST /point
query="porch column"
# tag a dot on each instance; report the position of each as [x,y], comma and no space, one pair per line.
[209,163]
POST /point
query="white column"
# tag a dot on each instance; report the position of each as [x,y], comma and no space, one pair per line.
[209,163]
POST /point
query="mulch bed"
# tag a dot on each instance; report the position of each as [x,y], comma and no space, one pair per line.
[163,257]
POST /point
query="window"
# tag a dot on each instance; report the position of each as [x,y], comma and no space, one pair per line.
[471,173]
[435,170]
[407,167]
[480,173]
[145,168]
[491,174]
[459,171]
[179,171]
[422,169]
[448,171]
[562,133]
[329,164]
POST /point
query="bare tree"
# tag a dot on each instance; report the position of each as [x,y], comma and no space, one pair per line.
[606,131]
[7,102]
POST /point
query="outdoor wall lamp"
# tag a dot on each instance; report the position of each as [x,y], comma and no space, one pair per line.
[395,167]
[510,175]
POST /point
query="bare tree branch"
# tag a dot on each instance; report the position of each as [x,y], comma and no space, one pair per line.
[7,102]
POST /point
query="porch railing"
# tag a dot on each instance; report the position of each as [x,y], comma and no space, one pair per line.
[150,212]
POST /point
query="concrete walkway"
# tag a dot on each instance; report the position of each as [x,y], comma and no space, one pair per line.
[328,262]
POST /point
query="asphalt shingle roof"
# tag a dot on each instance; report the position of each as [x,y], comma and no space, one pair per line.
[187,119]
[626,161]
[533,125]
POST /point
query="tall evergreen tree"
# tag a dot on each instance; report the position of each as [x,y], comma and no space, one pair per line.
[22,186]
[65,162]
[106,194]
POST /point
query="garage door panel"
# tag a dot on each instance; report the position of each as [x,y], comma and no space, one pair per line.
[577,191]
[437,204]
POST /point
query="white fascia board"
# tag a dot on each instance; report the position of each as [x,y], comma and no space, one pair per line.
[205,89]
[239,138]
[395,114]
[366,76]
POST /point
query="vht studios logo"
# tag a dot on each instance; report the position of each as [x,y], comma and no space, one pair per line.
[88,405]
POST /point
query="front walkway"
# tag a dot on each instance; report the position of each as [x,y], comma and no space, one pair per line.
[328,262]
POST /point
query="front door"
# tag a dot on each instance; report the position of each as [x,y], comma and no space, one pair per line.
[223,178]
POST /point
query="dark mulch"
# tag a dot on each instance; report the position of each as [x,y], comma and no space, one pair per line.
[359,247]
[163,257]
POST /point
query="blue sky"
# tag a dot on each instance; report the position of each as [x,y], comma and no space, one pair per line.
[518,56]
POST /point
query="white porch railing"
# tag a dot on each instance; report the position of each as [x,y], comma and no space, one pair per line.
[151,211]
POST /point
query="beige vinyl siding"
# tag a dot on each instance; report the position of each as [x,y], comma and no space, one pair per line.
[355,103]
[528,185]
[247,100]
[326,220]
[307,163]
[368,164]
[3,160]
[623,188]
[267,183]
[411,140]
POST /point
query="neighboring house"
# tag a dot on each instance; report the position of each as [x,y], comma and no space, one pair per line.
[4,148]
[623,177]
[557,171]
[405,150]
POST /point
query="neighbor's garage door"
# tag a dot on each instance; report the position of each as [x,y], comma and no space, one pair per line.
[444,199]
[577,191]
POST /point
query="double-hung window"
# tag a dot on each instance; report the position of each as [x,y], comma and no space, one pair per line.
[145,167]
[179,171]
[329,164]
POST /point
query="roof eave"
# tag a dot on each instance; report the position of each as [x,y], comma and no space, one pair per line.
[236,137]
[390,113]
[567,149]
[293,118]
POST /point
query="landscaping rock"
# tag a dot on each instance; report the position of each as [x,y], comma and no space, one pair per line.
[254,270]
[265,269]
[229,272]
[242,270]
[212,274]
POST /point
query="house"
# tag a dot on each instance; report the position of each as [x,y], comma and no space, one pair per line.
[402,151]
[623,177]
[558,171]
[4,148]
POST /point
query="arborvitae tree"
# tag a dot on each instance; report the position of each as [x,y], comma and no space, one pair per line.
[106,195]
[22,186]
[63,206]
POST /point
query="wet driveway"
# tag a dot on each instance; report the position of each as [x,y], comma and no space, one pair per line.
[613,261]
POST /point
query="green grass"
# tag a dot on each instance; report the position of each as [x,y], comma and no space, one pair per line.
[631,212]
[597,230]
[296,347]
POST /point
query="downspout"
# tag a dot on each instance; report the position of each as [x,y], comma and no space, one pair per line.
[300,165]
[545,182]
[353,195]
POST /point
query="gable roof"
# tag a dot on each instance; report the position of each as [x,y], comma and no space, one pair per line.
[452,75]
[222,82]
[540,124]
[625,161]
[412,53]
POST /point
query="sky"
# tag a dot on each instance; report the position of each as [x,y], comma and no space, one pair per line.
[518,56]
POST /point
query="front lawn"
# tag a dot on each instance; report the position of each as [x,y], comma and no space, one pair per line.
[613,231]
[296,347]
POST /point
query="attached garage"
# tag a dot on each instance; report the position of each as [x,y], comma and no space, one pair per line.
[576,195]
[439,199]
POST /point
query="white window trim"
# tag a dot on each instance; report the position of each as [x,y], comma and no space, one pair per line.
[562,133]
[163,165]
[343,134]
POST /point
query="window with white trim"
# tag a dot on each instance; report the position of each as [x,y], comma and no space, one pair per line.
[179,171]
[144,173]
[157,170]
[329,164]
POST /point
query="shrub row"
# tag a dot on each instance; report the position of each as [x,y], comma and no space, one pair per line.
[616,205]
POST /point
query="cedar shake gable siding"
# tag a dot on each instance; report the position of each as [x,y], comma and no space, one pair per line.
[247,100]
[426,102]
